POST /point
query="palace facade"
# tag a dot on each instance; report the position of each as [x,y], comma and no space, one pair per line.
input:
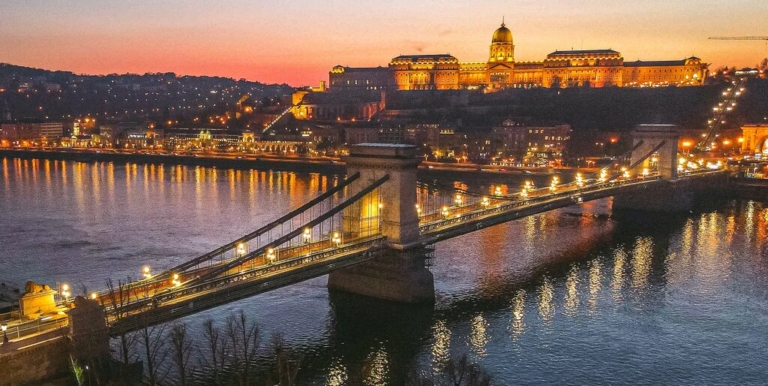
[560,69]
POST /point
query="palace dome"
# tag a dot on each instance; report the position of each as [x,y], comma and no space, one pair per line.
[502,35]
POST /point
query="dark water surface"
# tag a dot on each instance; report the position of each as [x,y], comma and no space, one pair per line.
[575,296]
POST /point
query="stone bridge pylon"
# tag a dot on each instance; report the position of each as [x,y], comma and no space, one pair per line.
[400,274]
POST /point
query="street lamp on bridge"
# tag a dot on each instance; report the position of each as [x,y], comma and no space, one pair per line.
[65,292]
[5,335]
[147,272]
[553,185]
[240,249]
[307,235]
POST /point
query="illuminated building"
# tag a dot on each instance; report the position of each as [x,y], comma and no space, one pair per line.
[755,139]
[532,143]
[574,68]
[31,133]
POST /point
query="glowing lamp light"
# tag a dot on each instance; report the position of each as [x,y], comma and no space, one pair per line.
[497,191]
[271,255]
[485,202]
[94,296]
[458,200]
[307,235]
[336,239]
[418,209]
[146,272]
[626,174]
[240,249]
[65,291]
[553,185]
[176,281]
[445,211]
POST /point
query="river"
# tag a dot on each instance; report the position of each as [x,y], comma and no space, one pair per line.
[575,296]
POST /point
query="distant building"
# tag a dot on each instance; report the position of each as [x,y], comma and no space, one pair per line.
[755,139]
[340,107]
[28,134]
[530,144]
[574,68]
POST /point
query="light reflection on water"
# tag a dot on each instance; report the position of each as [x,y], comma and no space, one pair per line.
[572,296]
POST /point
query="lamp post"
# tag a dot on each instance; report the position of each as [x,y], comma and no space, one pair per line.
[336,239]
[444,212]
[553,185]
[5,335]
[485,202]
[271,255]
[65,292]
[147,272]
[307,236]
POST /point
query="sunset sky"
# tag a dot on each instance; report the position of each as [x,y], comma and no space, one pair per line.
[298,41]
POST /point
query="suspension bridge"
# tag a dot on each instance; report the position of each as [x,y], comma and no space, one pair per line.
[374,231]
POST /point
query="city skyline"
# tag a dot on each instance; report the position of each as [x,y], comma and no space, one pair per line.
[298,43]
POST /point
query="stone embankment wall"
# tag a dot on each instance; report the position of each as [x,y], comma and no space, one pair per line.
[32,364]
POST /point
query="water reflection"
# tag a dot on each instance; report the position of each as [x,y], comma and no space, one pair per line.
[546,297]
[337,374]
[441,345]
[571,292]
[518,314]
[595,284]
[479,335]
[674,292]
[378,368]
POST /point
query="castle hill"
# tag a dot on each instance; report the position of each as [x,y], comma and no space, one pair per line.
[294,194]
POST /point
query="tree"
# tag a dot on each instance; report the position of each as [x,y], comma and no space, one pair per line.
[455,372]
[181,350]
[154,341]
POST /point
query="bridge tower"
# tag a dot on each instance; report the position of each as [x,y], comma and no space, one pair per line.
[400,275]
[653,136]
[671,195]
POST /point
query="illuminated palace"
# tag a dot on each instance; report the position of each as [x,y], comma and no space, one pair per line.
[575,68]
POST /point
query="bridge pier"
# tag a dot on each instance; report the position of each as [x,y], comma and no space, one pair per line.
[400,275]
[673,196]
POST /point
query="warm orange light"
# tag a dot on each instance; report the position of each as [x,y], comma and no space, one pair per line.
[686,143]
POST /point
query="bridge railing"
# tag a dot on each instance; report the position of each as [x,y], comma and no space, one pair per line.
[259,276]
[144,293]
[459,214]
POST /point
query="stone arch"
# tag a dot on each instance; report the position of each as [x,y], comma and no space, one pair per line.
[762,145]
